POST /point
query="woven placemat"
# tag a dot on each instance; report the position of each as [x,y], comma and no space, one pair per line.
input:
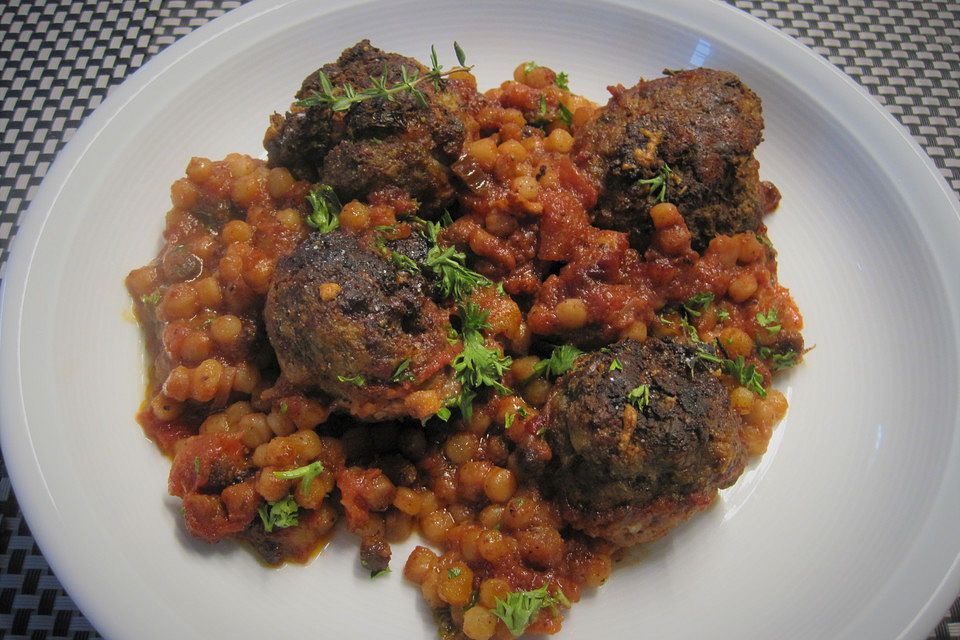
[59,60]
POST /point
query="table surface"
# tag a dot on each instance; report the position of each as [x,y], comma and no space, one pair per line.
[58,60]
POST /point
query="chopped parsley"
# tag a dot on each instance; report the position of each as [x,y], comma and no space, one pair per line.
[722,315]
[695,305]
[196,465]
[746,375]
[377,574]
[326,209]
[768,321]
[521,608]
[357,380]
[153,298]
[456,280]
[280,514]
[543,107]
[561,81]
[785,360]
[616,365]
[658,183]
[531,66]
[508,421]
[403,262]
[283,407]
[453,573]
[306,473]
[402,374]
[566,116]
[639,397]
[477,366]
[559,362]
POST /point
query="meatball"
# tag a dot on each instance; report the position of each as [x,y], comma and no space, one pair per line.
[346,319]
[703,125]
[637,450]
[379,142]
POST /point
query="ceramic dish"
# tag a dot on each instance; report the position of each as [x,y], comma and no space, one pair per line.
[848,527]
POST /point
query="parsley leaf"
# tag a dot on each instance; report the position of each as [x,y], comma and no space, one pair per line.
[403,262]
[616,365]
[453,573]
[722,315]
[477,366]
[377,574]
[566,116]
[307,473]
[280,514]
[531,66]
[658,183]
[196,465]
[357,380]
[639,397]
[767,321]
[786,360]
[456,280]
[561,81]
[521,608]
[326,209]
[559,362]
[697,302]
[402,373]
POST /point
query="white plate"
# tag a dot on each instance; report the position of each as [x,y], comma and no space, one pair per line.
[848,528]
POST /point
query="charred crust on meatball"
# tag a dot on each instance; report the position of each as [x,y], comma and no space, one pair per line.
[377,317]
[629,471]
[704,125]
[377,142]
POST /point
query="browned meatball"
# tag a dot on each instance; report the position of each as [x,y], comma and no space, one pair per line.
[378,142]
[702,124]
[348,321]
[628,469]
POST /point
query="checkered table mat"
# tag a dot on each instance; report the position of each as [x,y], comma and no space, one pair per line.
[58,60]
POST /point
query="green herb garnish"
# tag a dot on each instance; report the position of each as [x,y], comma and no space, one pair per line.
[616,365]
[785,360]
[477,366]
[453,573]
[561,81]
[343,97]
[722,315]
[559,362]
[456,280]
[768,321]
[377,574]
[658,183]
[639,397]
[402,373]
[326,209]
[196,465]
[521,608]
[307,473]
[280,514]
[357,380]
[566,116]
[694,305]
[403,262]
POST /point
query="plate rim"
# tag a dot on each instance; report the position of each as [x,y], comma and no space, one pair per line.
[36,503]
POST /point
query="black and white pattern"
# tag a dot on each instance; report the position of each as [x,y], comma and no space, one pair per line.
[59,59]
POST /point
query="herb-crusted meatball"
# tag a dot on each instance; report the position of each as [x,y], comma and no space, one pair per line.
[703,125]
[642,438]
[378,142]
[347,320]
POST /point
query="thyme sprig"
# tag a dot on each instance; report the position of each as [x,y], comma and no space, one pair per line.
[342,97]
